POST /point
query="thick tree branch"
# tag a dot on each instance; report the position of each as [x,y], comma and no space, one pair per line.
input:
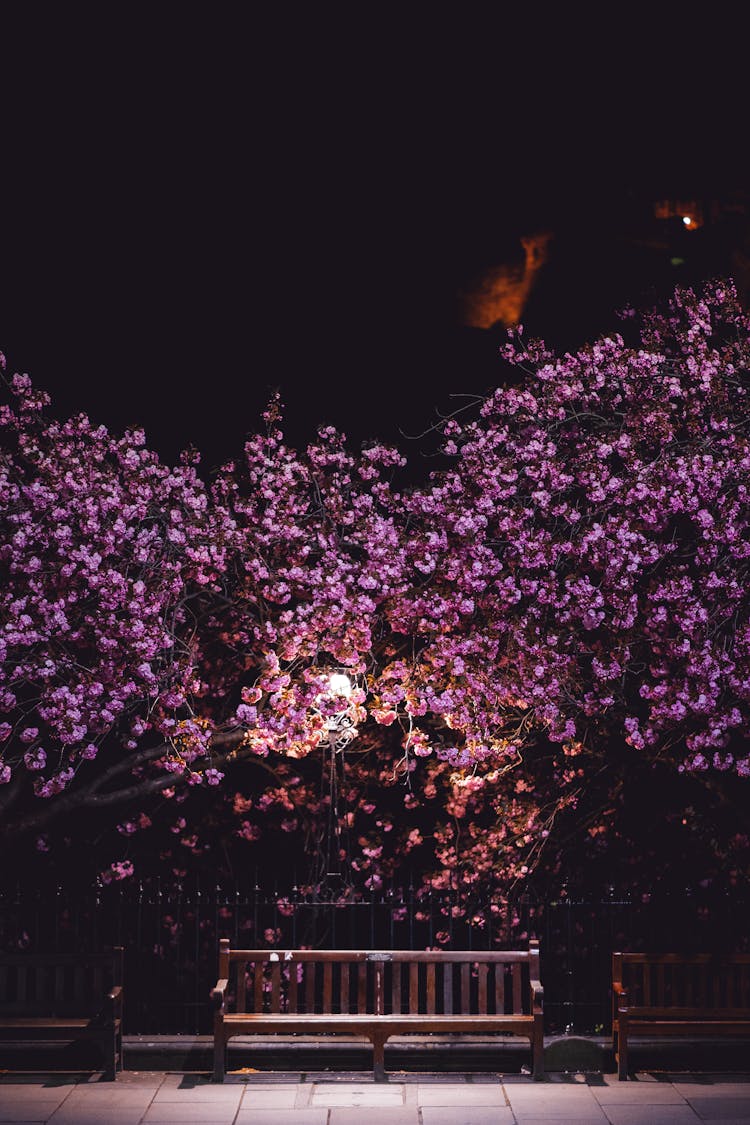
[53,809]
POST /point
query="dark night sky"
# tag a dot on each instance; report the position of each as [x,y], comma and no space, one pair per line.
[196,210]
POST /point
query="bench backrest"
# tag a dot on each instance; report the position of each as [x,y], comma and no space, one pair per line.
[379,982]
[57,984]
[670,980]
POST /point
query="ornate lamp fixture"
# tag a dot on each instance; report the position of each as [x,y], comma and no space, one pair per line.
[340,725]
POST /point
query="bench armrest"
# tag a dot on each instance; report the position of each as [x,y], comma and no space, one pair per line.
[537,995]
[620,994]
[218,993]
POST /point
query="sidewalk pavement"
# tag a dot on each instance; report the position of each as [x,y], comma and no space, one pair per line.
[163,1098]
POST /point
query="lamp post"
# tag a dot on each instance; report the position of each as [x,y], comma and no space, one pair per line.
[341,731]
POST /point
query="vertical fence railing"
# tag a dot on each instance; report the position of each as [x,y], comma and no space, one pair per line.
[170,934]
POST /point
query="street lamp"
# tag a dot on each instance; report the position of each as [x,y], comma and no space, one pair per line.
[340,724]
[339,714]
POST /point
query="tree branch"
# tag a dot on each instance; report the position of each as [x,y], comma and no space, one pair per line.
[91,797]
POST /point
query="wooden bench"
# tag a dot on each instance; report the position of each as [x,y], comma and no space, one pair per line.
[377,994]
[670,994]
[75,997]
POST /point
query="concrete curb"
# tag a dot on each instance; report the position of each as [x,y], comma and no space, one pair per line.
[463,1053]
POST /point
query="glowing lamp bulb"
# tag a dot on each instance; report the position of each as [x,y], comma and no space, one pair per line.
[340,684]
[687,220]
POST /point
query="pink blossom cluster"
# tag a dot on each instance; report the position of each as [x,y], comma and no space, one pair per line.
[104,555]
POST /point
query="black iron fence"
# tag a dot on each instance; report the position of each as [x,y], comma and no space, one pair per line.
[170,934]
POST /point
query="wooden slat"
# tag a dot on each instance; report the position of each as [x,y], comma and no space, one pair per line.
[49,984]
[379,989]
[676,1016]
[59,984]
[328,987]
[732,997]
[241,985]
[396,988]
[310,987]
[339,973]
[516,974]
[258,967]
[431,988]
[413,989]
[660,984]
[362,988]
[34,983]
[684,991]
[292,1002]
[345,996]
[448,990]
[96,981]
[79,986]
[276,987]
[465,984]
[499,989]
[482,989]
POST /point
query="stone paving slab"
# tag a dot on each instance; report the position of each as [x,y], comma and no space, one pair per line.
[452,1095]
[281,1117]
[403,1115]
[652,1115]
[252,1098]
[470,1115]
[360,1094]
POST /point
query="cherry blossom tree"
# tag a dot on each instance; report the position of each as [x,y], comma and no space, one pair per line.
[554,620]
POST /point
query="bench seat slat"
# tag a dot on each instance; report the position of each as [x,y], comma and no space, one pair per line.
[29,1029]
[42,1021]
[738,1027]
[641,1012]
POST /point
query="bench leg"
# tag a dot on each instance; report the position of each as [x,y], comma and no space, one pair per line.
[109,1050]
[378,1061]
[220,1048]
[537,1049]
[622,1053]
